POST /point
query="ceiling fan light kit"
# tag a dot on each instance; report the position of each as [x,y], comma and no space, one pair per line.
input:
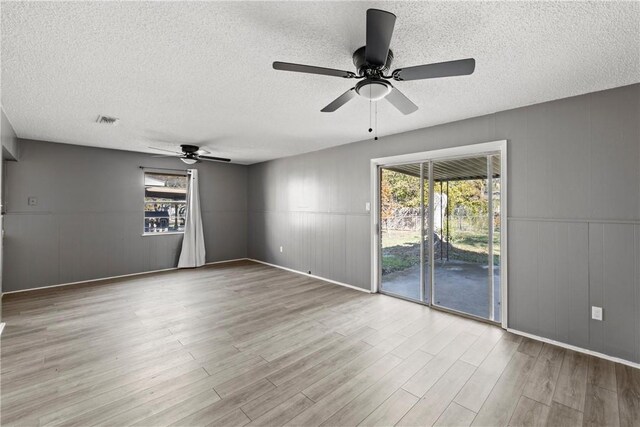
[373,61]
[373,89]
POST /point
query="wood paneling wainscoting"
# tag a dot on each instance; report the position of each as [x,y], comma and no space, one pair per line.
[248,344]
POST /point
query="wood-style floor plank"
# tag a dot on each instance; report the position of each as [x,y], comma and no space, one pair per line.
[90,411]
[529,413]
[530,347]
[572,381]
[601,407]
[544,376]
[476,390]
[501,403]
[602,373]
[433,404]
[359,408]
[242,343]
[424,379]
[333,401]
[391,410]
[455,416]
[284,412]
[628,381]
[341,375]
[235,418]
[295,385]
[561,415]
[480,349]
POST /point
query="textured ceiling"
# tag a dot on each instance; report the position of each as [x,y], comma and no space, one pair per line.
[201,72]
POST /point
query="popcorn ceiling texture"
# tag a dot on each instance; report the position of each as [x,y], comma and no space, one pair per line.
[200,72]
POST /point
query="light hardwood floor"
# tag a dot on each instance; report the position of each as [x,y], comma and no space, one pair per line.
[246,344]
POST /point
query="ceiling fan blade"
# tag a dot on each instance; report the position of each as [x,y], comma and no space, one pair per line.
[340,101]
[168,151]
[401,102]
[299,68]
[166,155]
[461,67]
[379,31]
[213,159]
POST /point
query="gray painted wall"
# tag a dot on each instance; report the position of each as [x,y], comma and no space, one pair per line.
[89,219]
[9,147]
[574,206]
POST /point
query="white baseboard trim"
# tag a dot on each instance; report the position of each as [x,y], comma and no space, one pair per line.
[335,282]
[226,261]
[574,348]
[117,277]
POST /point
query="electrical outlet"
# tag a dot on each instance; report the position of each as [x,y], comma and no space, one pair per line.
[280,249]
[32,201]
[596,313]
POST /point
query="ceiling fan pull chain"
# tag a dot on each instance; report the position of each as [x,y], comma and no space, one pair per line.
[376,123]
[370,130]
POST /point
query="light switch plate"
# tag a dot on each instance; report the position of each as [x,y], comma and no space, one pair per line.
[280,249]
[596,313]
[367,207]
[32,201]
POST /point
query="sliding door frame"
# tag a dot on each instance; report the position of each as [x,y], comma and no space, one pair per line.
[442,154]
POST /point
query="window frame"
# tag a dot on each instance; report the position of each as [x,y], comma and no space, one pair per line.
[152,171]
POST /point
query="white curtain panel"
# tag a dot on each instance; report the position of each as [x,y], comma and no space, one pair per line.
[193,252]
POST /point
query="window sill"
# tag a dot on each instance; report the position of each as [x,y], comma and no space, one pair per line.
[166,233]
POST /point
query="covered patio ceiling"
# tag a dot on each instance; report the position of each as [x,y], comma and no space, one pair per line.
[454,169]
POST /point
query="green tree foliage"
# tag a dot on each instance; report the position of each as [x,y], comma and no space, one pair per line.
[466,196]
[401,190]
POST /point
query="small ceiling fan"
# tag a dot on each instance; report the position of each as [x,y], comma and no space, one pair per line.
[190,154]
[374,60]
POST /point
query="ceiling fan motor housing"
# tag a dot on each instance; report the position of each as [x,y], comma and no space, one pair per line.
[366,69]
[189,149]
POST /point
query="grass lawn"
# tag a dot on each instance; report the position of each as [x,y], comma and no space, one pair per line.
[401,249]
[398,238]
[475,241]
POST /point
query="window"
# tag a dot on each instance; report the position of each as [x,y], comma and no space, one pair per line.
[165,202]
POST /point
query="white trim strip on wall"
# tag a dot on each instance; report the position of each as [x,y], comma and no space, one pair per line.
[116,277]
[576,220]
[574,348]
[335,282]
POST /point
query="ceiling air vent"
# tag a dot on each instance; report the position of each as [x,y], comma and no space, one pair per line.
[106,120]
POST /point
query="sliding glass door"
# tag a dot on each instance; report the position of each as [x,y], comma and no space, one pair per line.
[401,231]
[440,233]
